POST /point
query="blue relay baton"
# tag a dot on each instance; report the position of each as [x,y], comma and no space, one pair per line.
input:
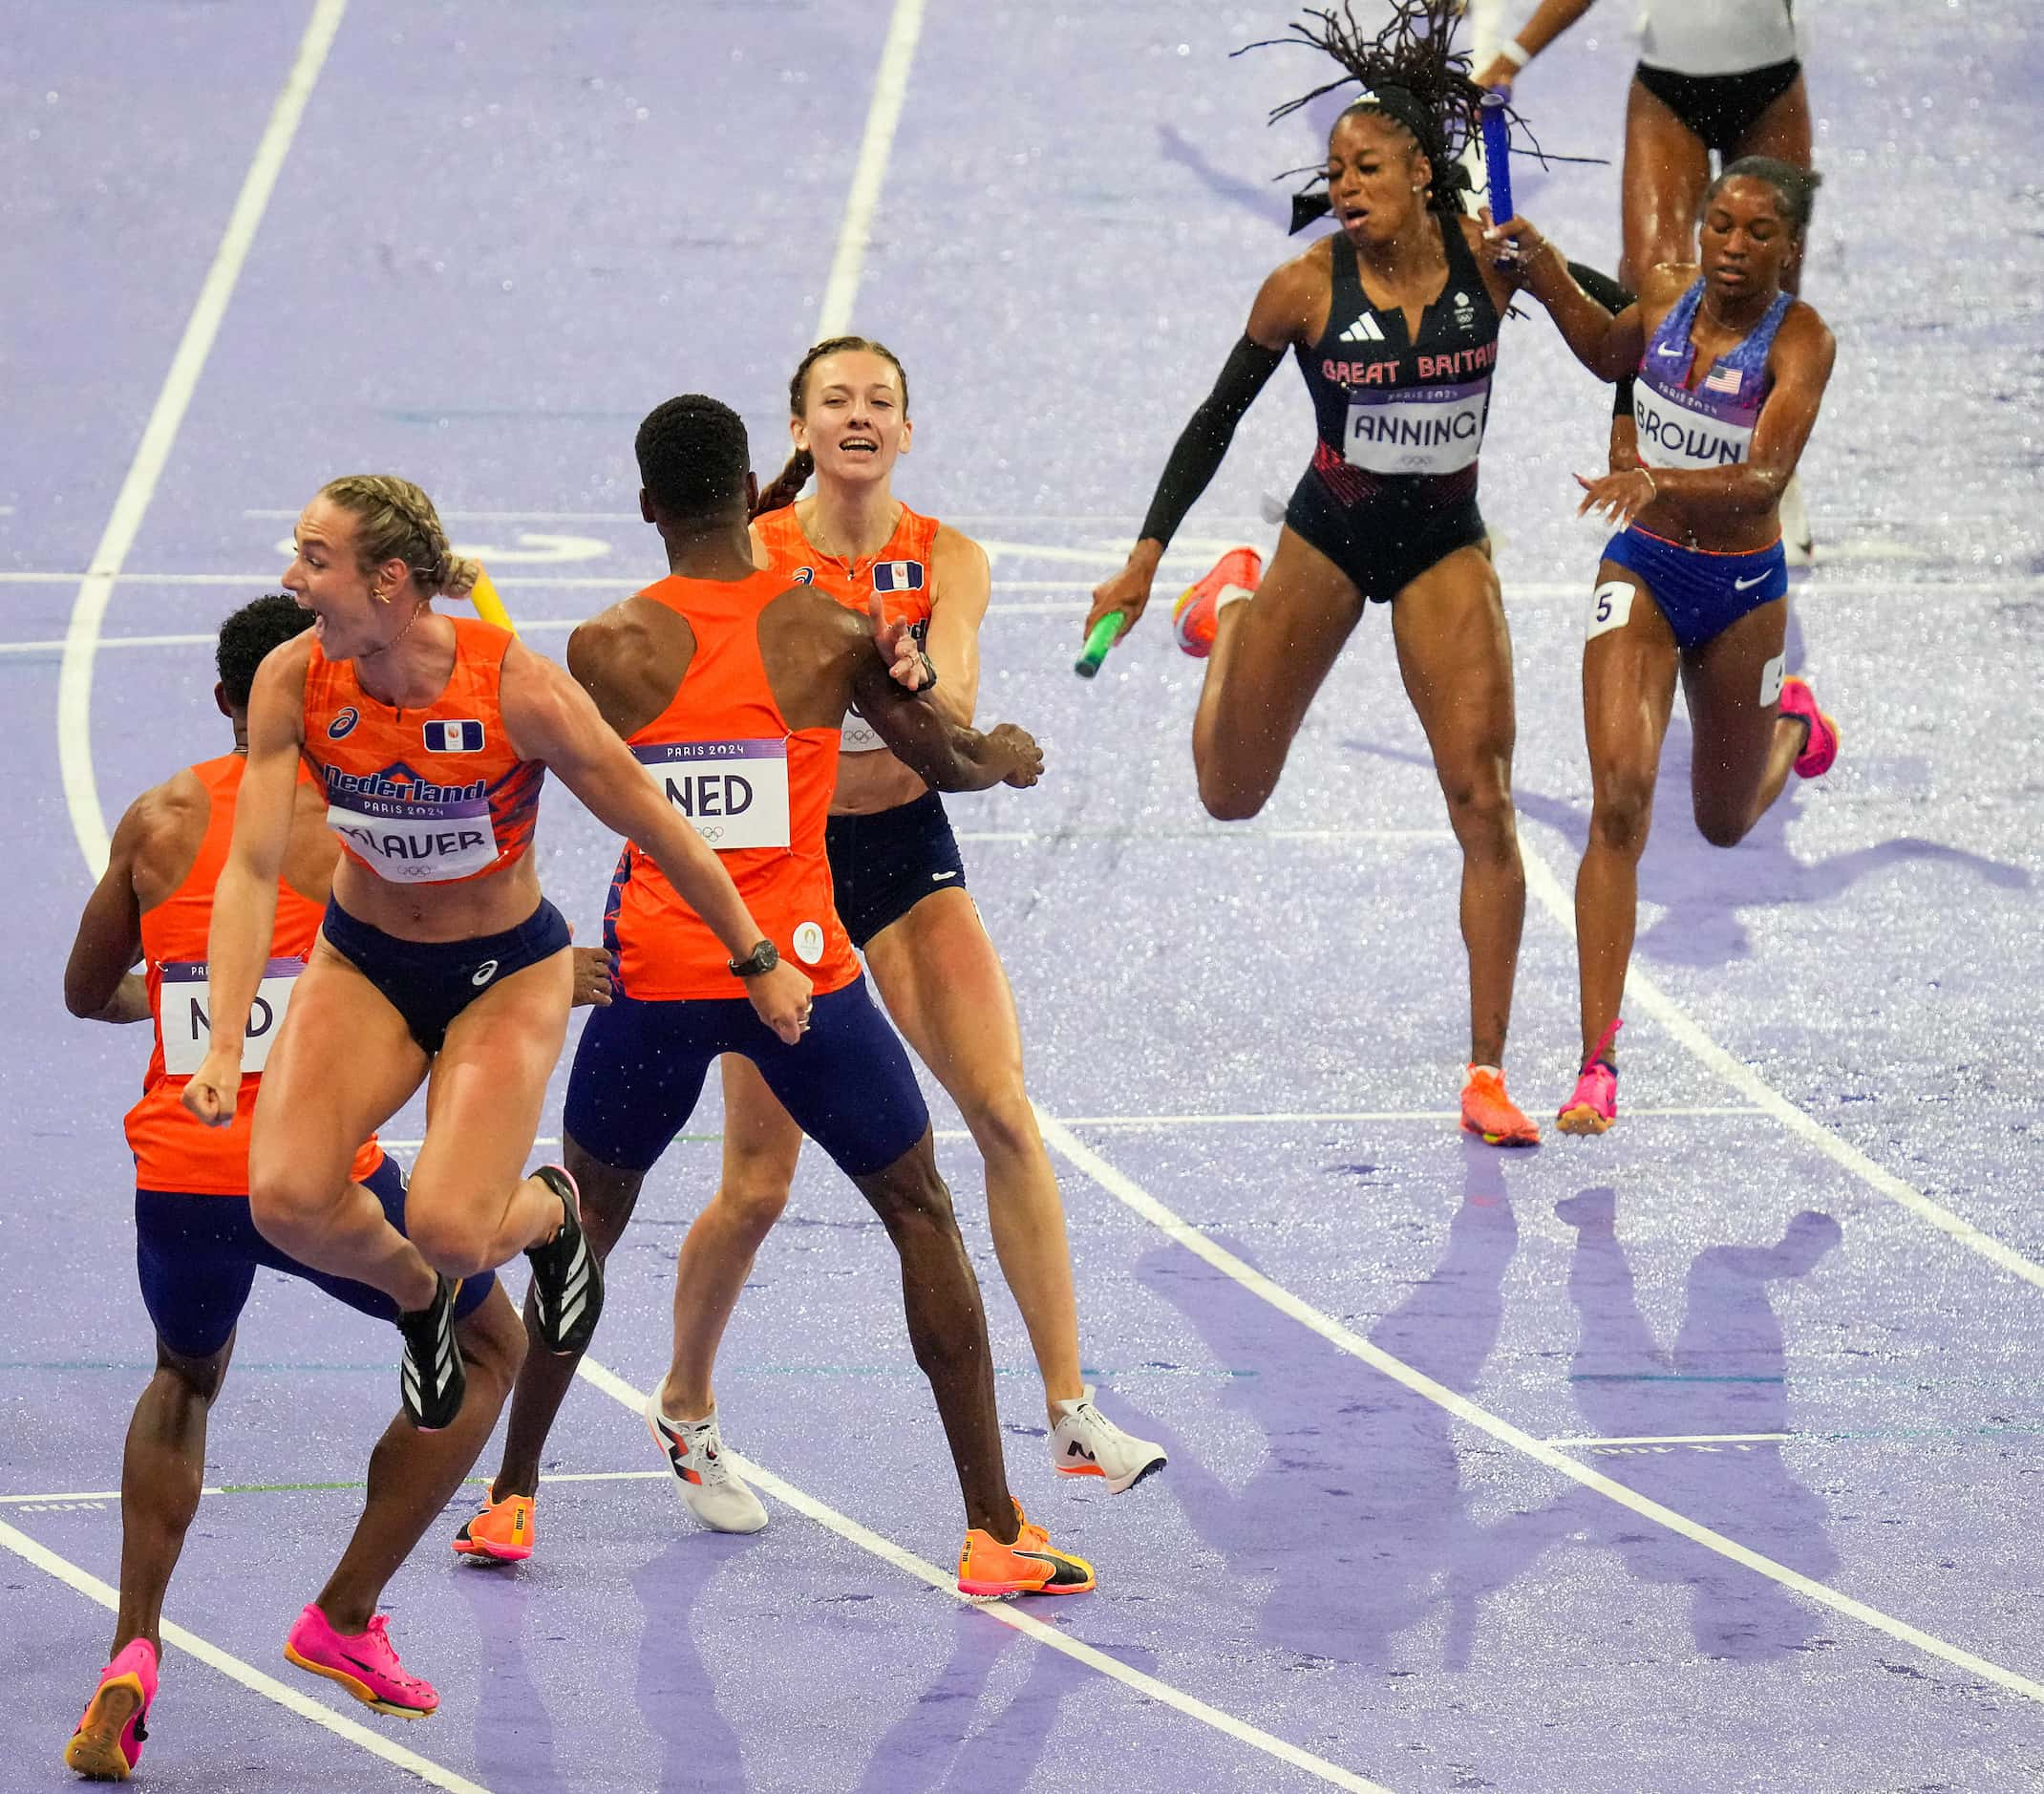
[1497,156]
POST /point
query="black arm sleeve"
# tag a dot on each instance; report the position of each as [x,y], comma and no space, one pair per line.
[1195,456]
[1614,299]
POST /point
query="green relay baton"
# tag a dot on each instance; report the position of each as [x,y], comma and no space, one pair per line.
[1100,639]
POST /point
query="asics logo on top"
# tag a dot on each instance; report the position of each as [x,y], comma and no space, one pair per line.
[463,736]
[803,576]
[1365,330]
[483,973]
[344,723]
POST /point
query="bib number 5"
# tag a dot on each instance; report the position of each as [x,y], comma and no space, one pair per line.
[1610,605]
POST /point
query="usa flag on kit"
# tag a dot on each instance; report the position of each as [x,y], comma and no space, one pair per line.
[463,736]
[898,576]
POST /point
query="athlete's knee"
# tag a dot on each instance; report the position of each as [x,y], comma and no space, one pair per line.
[751,1196]
[286,1202]
[608,1195]
[1479,809]
[1003,1124]
[1721,827]
[188,1379]
[449,1235]
[911,1199]
[1623,809]
[1228,797]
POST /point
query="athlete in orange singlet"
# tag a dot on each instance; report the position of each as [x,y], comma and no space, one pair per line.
[197,1249]
[731,686]
[900,886]
[439,955]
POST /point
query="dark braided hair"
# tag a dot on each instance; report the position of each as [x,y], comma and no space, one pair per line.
[789,482]
[1795,188]
[694,458]
[1409,71]
[246,637]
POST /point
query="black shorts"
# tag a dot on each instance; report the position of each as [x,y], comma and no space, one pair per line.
[1721,109]
[197,1257]
[1381,546]
[429,983]
[881,865]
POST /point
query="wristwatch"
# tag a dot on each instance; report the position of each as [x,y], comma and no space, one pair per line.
[758,963]
[929,674]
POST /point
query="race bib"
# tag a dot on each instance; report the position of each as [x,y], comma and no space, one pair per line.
[734,793]
[187,1031]
[1677,430]
[1416,429]
[416,843]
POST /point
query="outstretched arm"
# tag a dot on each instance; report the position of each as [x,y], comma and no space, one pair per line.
[944,755]
[1549,20]
[99,982]
[553,719]
[1609,344]
[1276,320]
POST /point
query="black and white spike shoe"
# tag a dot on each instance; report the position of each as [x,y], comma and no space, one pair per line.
[568,1279]
[431,1377]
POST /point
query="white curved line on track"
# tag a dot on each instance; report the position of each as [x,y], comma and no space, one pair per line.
[1132,1195]
[1008,1614]
[235,1670]
[88,611]
[1644,995]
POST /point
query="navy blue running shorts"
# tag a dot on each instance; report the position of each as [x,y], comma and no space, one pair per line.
[641,1065]
[1701,593]
[197,1258]
[885,863]
[429,983]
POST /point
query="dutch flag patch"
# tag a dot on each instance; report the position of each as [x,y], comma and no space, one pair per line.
[463,736]
[898,576]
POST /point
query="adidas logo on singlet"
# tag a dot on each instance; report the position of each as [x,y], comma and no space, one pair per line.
[1365,330]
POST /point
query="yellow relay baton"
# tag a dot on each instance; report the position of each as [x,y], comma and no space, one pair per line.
[489,606]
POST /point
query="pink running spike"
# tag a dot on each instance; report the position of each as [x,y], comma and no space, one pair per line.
[365,1663]
[1593,1106]
[1196,617]
[108,1742]
[1822,745]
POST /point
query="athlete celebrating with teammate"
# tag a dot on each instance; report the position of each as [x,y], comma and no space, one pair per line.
[900,884]
[1730,372]
[197,1250]
[438,957]
[732,685]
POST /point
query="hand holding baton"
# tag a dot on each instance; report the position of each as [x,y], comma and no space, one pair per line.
[1098,640]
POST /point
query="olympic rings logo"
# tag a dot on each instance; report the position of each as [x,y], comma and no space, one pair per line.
[710,831]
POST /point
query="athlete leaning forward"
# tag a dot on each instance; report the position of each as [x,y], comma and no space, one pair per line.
[1729,371]
[1393,318]
[732,685]
[438,961]
[197,1250]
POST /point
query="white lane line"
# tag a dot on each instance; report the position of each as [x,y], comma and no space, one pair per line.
[1676,1439]
[1430,1115]
[326,1488]
[88,611]
[235,1670]
[883,116]
[946,1582]
[1644,994]
[1260,1118]
[1221,835]
[1132,1195]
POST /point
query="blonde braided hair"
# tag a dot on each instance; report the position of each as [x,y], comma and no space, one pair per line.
[395,521]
